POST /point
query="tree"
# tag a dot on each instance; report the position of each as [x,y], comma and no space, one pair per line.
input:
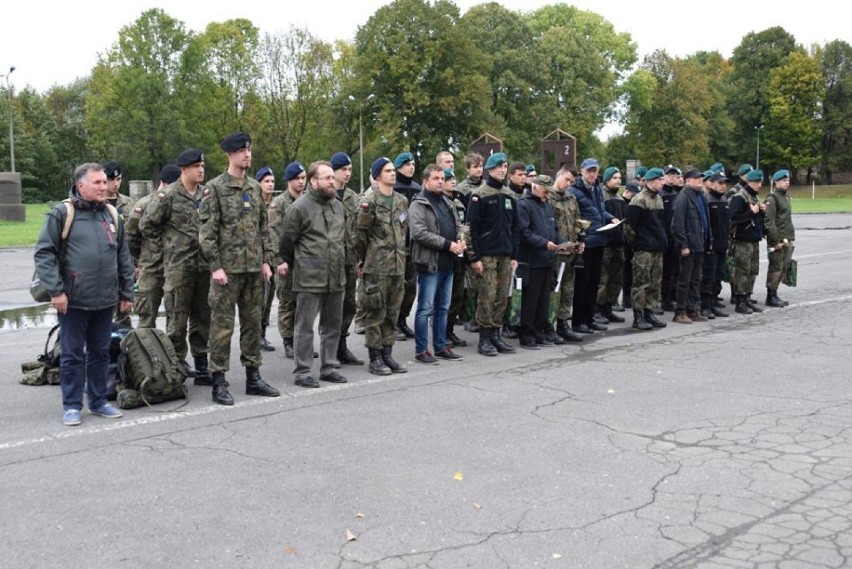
[70,140]
[836,150]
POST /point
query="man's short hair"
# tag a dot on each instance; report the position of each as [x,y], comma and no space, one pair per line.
[443,153]
[428,170]
[568,168]
[473,159]
[83,169]
[314,167]
[515,166]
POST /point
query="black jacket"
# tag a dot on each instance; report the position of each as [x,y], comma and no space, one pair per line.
[717,206]
[617,206]
[536,226]
[645,216]
[687,224]
[492,214]
[745,225]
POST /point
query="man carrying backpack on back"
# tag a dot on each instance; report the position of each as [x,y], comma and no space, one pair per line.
[86,274]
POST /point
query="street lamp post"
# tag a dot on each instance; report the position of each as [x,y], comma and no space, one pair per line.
[757,158]
[361,134]
[11,128]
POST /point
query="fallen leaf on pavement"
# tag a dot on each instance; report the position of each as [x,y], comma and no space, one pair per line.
[350,536]
[459,476]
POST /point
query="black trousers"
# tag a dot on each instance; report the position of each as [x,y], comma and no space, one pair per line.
[671,267]
[711,277]
[535,301]
[586,281]
[689,281]
[627,283]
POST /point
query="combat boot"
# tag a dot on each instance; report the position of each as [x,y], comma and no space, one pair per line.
[345,356]
[772,299]
[565,332]
[610,315]
[639,322]
[377,364]
[457,342]
[265,345]
[508,332]
[471,326]
[221,395]
[486,347]
[783,302]
[499,343]
[394,365]
[552,337]
[256,386]
[651,319]
[202,372]
[752,304]
[288,349]
[742,305]
[404,329]
[708,313]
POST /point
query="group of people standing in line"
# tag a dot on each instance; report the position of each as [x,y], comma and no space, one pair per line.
[569,245]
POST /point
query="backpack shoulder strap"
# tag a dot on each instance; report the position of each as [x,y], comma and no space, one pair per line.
[70,212]
[113,213]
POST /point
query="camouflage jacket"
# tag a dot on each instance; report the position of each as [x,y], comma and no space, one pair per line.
[567,212]
[173,218]
[276,211]
[124,205]
[380,233]
[234,233]
[147,252]
[778,219]
[350,199]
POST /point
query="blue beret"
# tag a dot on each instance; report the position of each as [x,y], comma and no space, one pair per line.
[263,172]
[745,169]
[754,176]
[653,174]
[589,163]
[640,172]
[449,174]
[609,173]
[112,170]
[235,141]
[401,160]
[780,175]
[495,160]
[190,156]
[339,160]
[292,170]
[378,164]
[169,174]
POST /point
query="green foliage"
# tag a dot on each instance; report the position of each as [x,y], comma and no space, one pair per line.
[836,147]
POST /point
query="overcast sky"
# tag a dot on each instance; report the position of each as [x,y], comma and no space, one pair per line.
[56,42]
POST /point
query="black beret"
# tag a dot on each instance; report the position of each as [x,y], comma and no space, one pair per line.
[190,156]
[235,141]
[112,170]
[169,174]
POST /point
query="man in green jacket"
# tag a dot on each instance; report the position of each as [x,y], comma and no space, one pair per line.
[780,236]
[313,245]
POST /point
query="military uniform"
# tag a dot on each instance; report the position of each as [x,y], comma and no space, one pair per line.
[459,268]
[671,256]
[646,232]
[407,188]
[746,234]
[568,222]
[284,288]
[173,215]
[466,187]
[381,229]
[779,233]
[235,237]
[612,265]
[715,260]
[349,198]
[124,205]
[147,252]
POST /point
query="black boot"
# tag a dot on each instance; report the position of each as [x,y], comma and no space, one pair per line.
[565,332]
[778,299]
[221,395]
[256,386]
[403,328]
[752,304]
[457,342]
[377,363]
[499,343]
[667,305]
[288,349]
[345,356]
[742,305]
[508,332]
[202,372]
[486,347]
[187,369]
[394,365]
[651,319]
[610,315]
[264,343]
[639,322]
[551,336]
[772,299]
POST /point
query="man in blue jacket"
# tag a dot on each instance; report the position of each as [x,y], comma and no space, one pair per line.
[691,234]
[87,274]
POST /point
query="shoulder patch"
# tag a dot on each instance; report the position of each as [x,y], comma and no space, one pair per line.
[273,206]
[474,198]
[161,195]
[137,209]
[206,191]
[365,205]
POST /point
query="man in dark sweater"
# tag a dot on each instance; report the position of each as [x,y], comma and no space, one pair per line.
[746,215]
[715,260]
[406,186]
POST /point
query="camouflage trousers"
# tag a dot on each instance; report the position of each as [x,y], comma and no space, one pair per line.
[566,288]
[778,261]
[186,306]
[286,306]
[245,291]
[747,263]
[380,299]
[269,294]
[647,279]
[410,292]
[493,287]
[349,303]
[612,275]
[149,295]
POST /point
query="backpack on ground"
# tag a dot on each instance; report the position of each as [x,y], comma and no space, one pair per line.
[149,371]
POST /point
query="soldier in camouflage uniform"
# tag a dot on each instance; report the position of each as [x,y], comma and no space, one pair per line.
[295,177]
[746,213]
[612,265]
[408,188]
[493,218]
[645,230]
[473,164]
[148,256]
[460,266]
[173,216]
[236,244]
[342,166]
[381,229]
[124,205]
[266,178]
[569,224]
[780,236]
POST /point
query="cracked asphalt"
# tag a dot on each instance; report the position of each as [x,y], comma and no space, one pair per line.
[725,444]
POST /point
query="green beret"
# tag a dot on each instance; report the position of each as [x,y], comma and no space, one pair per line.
[640,172]
[707,174]
[653,174]
[745,169]
[609,173]
[496,159]
[754,176]
[717,167]
[449,174]
[529,169]
[402,159]
[780,175]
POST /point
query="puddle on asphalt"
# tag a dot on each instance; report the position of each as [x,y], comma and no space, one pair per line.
[40,316]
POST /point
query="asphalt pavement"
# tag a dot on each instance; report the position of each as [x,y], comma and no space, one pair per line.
[713,445]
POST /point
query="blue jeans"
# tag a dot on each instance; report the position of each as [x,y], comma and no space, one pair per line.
[434,291]
[84,340]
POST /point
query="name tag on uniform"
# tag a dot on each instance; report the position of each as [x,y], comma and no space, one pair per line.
[508,204]
[403,216]
[246,201]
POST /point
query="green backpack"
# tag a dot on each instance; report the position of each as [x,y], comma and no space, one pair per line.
[149,371]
